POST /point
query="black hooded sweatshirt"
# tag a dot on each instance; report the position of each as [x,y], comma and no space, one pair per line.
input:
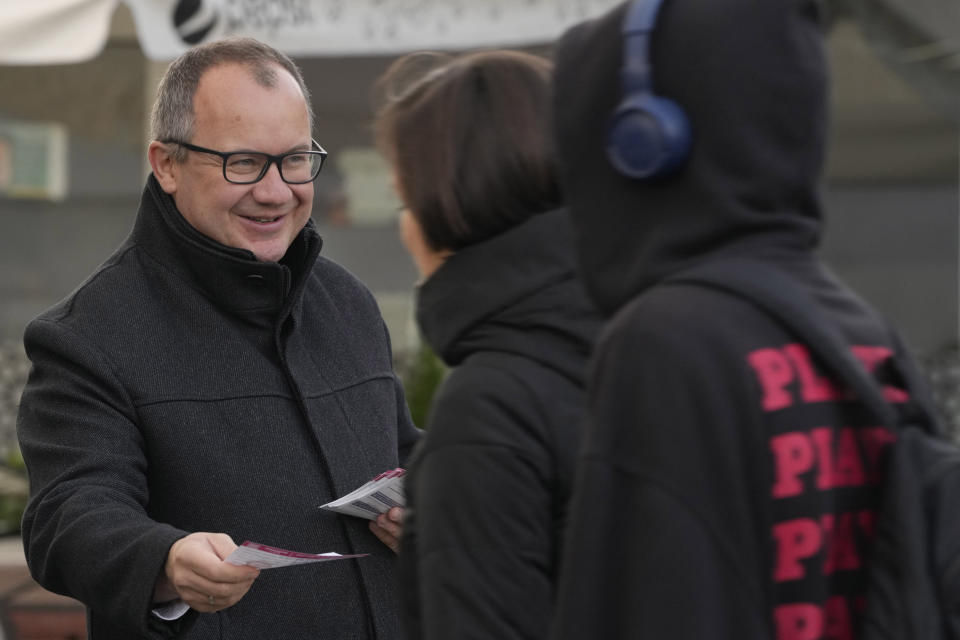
[726,488]
[487,490]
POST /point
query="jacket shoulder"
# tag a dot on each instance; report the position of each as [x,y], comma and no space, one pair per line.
[101,289]
[337,276]
[500,399]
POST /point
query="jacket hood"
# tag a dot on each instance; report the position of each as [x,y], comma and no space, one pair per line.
[751,77]
[518,292]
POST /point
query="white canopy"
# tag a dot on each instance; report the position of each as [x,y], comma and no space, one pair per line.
[60,31]
[53,31]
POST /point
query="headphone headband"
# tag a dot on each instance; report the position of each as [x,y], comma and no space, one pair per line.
[649,135]
[636,31]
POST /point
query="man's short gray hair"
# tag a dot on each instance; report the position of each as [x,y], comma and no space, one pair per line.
[172,117]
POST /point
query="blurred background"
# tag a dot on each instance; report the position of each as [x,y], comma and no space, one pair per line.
[75,94]
[77,78]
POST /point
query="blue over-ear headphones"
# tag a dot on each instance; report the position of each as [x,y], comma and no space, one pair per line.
[649,135]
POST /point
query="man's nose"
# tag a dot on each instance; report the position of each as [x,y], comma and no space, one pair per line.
[271,188]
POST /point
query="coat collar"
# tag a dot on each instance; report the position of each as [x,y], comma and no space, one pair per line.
[504,281]
[233,278]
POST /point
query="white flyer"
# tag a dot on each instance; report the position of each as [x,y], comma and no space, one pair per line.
[261,556]
[372,498]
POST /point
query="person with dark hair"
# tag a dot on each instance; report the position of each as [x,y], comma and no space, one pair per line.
[728,482]
[215,381]
[500,302]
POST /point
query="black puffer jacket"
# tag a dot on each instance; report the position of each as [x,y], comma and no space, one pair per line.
[488,488]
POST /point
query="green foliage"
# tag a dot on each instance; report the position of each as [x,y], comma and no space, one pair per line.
[15,461]
[14,368]
[423,375]
[11,513]
[13,492]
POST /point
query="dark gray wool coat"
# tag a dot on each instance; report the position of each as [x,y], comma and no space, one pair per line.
[187,387]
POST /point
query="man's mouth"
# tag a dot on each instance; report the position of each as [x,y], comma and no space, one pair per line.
[262,220]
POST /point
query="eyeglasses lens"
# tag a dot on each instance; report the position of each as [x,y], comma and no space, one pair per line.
[294,168]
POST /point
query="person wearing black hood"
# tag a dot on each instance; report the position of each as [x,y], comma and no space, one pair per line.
[468,140]
[725,488]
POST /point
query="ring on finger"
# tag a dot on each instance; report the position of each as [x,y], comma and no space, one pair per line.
[211,600]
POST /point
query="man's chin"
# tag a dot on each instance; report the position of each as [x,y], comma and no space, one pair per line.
[268,257]
[267,251]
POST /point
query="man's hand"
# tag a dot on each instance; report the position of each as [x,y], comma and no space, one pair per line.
[389,527]
[196,573]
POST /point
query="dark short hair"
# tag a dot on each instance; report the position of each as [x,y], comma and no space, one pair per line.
[172,117]
[469,141]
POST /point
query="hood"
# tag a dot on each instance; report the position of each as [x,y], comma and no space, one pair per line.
[517,292]
[751,77]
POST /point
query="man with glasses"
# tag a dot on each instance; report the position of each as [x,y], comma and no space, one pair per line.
[215,381]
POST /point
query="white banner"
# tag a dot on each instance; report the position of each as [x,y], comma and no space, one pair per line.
[356,27]
[53,31]
[65,31]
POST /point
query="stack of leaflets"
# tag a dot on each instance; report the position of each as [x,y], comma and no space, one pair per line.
[373,498]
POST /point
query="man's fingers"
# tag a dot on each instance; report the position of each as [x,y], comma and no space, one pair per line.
[389,526]
[386,536]
[205,595]
[222,544]
[196,570]
[207,602]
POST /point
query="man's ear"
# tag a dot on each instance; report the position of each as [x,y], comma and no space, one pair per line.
[165,168]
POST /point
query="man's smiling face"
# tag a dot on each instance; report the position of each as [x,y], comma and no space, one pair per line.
[233,112]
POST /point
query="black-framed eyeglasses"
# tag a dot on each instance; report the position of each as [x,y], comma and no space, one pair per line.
[247,167]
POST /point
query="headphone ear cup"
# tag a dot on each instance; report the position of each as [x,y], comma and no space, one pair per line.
[649,137]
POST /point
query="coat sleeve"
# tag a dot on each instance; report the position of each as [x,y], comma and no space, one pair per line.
[664,538]
[407,433]
[483,526]
[85,530]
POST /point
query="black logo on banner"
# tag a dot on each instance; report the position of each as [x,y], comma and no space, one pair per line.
[194,20]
